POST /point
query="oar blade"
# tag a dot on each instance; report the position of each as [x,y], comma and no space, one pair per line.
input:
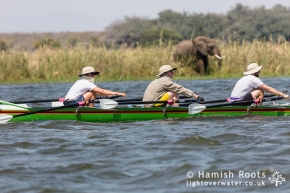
[4,118]
[195,108]
[21,106]
[107,104]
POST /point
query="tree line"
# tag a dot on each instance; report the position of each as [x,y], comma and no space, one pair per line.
[241,23]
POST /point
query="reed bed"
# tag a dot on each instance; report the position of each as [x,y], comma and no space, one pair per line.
[63,65]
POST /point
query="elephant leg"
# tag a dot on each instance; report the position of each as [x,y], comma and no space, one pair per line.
[200,64]
[205,63]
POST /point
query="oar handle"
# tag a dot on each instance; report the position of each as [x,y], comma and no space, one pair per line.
[269,95]
[134,100]
[143,102]
[126,100]
[112,97]
[123,102]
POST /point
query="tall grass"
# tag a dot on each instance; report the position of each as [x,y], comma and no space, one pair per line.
[63,65]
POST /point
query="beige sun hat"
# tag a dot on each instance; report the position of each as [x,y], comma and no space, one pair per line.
[165,68]
[88,69]
[252,68]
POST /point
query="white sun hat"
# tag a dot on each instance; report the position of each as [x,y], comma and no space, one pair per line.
[165,68]
[87,70]
[252,68]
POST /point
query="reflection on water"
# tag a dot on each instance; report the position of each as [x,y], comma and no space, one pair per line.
[149,156]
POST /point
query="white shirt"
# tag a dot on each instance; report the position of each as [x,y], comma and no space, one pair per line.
[79,88]
[246,84]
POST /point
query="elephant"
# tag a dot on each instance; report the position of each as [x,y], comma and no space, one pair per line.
[197,50]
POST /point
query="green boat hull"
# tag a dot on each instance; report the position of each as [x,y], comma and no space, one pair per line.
[87,114]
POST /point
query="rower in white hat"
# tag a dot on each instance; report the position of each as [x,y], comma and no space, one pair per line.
[250,87]
[85,90]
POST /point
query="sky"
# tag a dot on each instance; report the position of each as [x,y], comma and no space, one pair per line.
[29,16]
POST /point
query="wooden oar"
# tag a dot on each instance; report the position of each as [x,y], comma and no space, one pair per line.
[193,109]
[5,117]
[134,101]
[62,99]
[111,103]
[140,99]
[192,106]
[57,100]
[113,97]
[108,104]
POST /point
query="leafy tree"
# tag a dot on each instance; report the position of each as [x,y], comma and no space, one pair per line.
[180,22]
[278,22]
[130,26]
[241,23]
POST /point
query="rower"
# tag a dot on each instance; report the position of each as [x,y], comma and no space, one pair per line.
[85,90]
[250,87]
[163,88]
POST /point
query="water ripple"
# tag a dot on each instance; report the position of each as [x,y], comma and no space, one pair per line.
[145,156]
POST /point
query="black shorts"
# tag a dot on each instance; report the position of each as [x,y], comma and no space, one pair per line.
[248,97]
[80,99]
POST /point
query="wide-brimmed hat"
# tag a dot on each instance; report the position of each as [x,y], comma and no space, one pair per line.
[87,70]
[252,68]
[165,68]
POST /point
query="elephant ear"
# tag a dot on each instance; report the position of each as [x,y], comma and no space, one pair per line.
[200,45]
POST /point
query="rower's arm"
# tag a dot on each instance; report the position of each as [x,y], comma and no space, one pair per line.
[269,89]
[107,92]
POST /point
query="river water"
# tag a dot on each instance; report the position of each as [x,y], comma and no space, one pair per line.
[220,154]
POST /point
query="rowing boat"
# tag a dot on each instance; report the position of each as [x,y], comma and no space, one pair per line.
[136,113]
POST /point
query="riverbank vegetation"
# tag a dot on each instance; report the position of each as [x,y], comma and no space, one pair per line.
[135,48]
[142,63]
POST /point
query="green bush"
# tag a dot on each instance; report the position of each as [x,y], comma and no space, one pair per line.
[50,43]
[72,42]
[3,46]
